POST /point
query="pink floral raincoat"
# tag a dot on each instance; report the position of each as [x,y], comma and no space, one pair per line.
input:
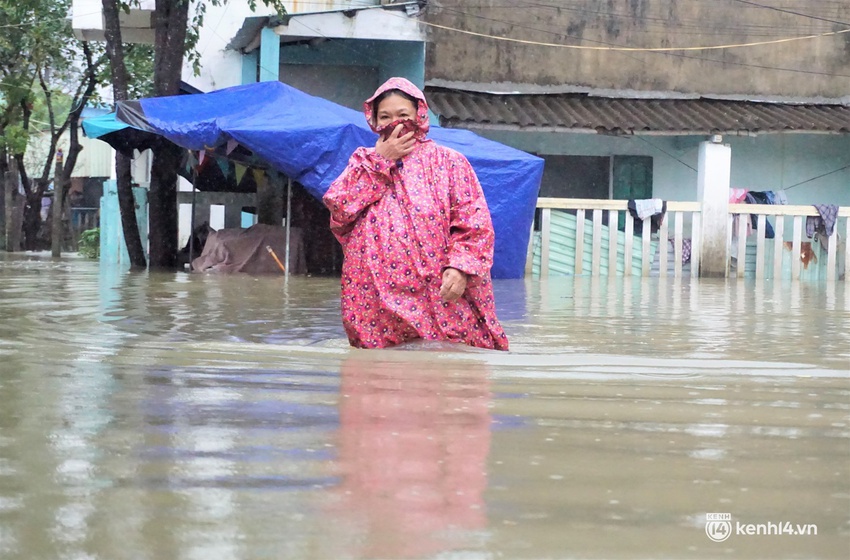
[400,227]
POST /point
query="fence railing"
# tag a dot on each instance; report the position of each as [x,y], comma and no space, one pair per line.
[603,240]
[598,238]
[789,253]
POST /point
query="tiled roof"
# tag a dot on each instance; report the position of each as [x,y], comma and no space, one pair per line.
[626,116]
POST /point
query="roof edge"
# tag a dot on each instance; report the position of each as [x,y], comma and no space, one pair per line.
[628,133]
[510,88]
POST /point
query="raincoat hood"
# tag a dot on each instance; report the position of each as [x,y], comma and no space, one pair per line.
[407,87]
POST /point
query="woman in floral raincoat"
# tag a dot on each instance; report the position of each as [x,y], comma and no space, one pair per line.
[416,234]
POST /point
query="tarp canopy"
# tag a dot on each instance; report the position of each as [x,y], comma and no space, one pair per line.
[310,140]
[119,135]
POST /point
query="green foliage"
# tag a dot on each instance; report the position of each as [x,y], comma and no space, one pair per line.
[139,61]
[89,245]
[14,138]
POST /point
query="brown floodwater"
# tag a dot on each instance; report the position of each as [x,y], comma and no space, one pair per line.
[176,416]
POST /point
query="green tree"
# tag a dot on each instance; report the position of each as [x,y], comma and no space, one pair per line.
[30,45]
[175,37]
[47,78]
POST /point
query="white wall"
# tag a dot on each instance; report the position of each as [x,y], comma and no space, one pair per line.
[95,160]
[220,67]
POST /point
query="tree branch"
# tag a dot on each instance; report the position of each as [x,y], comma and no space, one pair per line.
[54,138]
[74,116]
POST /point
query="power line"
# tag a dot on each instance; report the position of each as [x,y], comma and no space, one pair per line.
[618,48]
[662,150]
[818,177]
[665,53]
[665,21]
[791,12]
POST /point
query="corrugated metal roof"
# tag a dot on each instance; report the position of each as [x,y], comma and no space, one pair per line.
[632,116]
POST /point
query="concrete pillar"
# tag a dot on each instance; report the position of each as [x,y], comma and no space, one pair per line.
[233,216]
[713,177]
[269,55]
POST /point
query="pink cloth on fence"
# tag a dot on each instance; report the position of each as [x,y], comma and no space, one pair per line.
[400,226]
[737,196]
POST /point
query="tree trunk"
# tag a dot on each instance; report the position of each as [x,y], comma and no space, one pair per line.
[126,203]
[5,186]
[163,205]
[170,19]
[56,232]
[34,192]
[74,147]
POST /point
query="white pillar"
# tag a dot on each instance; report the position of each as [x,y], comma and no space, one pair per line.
[713,177]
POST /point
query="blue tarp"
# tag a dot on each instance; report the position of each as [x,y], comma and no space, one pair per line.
[310,140]
[95,127]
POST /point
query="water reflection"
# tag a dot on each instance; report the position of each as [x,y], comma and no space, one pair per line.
[191,416]
[412,453]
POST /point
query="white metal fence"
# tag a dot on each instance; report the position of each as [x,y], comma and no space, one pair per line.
[597,238]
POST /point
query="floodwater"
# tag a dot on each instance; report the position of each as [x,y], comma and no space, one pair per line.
[176,416]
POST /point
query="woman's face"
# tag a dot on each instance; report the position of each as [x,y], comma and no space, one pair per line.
[394,107]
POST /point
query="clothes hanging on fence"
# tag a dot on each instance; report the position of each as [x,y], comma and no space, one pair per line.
[686,249]
[754,197]
[653,208]
[648,207]
[824,223]
[737,195]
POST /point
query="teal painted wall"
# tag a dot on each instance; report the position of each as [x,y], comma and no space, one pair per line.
[113,248]
[768,162]
[269,55]
[347,71]
[250,67]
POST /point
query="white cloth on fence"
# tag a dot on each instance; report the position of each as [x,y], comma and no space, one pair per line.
[648,207]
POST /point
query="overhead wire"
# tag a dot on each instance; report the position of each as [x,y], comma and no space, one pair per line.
[818,177]
[664,21]
[665,53]
[665,152]
[665,24]
[619,48]
[792,12]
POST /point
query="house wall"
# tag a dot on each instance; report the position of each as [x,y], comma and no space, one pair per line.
[348,71]
[822,65]
[222,67]
[769,162]
[95,160]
